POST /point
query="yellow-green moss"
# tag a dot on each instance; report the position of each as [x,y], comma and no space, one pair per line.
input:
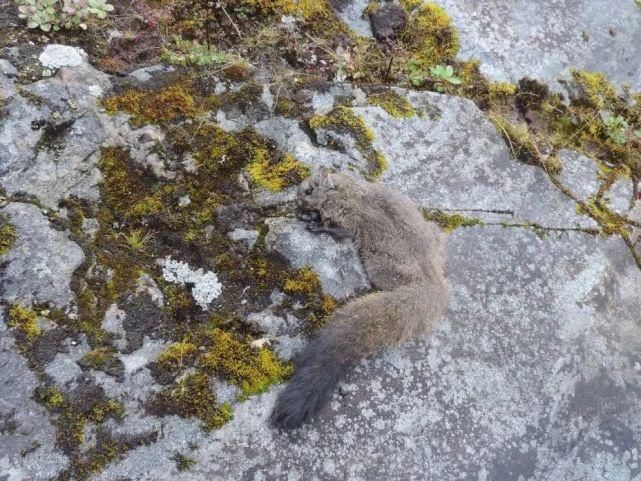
[170,103]
[8,236]
[393,103]
[429,34]
[609,222]
[276,176]
[93,461]
[253,370]
[70,433]
[193,397]
[177,356]
[24,321]
[306,281]
[98,358]
[49,396]
[343,120]
[102,410]
[449,222]
[593,89]
[328,304]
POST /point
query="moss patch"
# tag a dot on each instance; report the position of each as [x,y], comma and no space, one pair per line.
[253,370]
[305,281]
[449,222]
[177,357]
[276,176]
[8,236]
[193,397]
[393,103]
[343,120]
[49,396]
[171,103]
[429,34]
[23,320]
[102,359]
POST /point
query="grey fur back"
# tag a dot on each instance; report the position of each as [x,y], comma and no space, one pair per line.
[403,257]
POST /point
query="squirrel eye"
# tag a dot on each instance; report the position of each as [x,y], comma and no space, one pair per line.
[309,190]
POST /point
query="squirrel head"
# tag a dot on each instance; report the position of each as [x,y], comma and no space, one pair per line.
[313,191]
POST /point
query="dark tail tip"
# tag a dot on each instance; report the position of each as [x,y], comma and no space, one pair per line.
[309,390]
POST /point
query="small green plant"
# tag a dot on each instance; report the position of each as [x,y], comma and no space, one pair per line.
[617,129]
[438,73]
[183,463]
[57,14]
[137,239]
[445,73]
[186,52]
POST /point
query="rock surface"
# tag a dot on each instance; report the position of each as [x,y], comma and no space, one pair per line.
[533,373]
[335,262]
[530,376]
[40,265]
[26,437]
[543,40]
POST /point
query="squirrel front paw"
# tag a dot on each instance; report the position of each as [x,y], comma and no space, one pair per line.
[308,215]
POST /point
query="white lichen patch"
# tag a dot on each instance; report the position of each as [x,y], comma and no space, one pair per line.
[204,285]
[56,56]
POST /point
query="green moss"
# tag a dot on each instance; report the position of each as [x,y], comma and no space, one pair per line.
[286,107]
[102,410]
[70,433]
[171,103]
[429,34]
[183,463]
[593,89]
[342,119]
[102,359]
[93,461]
[609,222]
[23,320]
[253,370]
[276,176]
[125,189]
[449,222]
[98,358]
[49,396]
[193,397]
[393,103]
[177,356]
[306,281]
[8,236]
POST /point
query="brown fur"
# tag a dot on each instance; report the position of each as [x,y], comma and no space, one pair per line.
[403,258]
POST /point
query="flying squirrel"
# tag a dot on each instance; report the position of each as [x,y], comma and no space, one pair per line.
[403,257]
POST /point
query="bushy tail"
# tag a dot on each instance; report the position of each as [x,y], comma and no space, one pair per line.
[359,329]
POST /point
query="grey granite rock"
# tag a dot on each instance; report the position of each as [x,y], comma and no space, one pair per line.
[452,157]
[544,39]
[530,376]
[291,138]
[50,150]
[27,437]
[351,12]
[39,266]
[340,272]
